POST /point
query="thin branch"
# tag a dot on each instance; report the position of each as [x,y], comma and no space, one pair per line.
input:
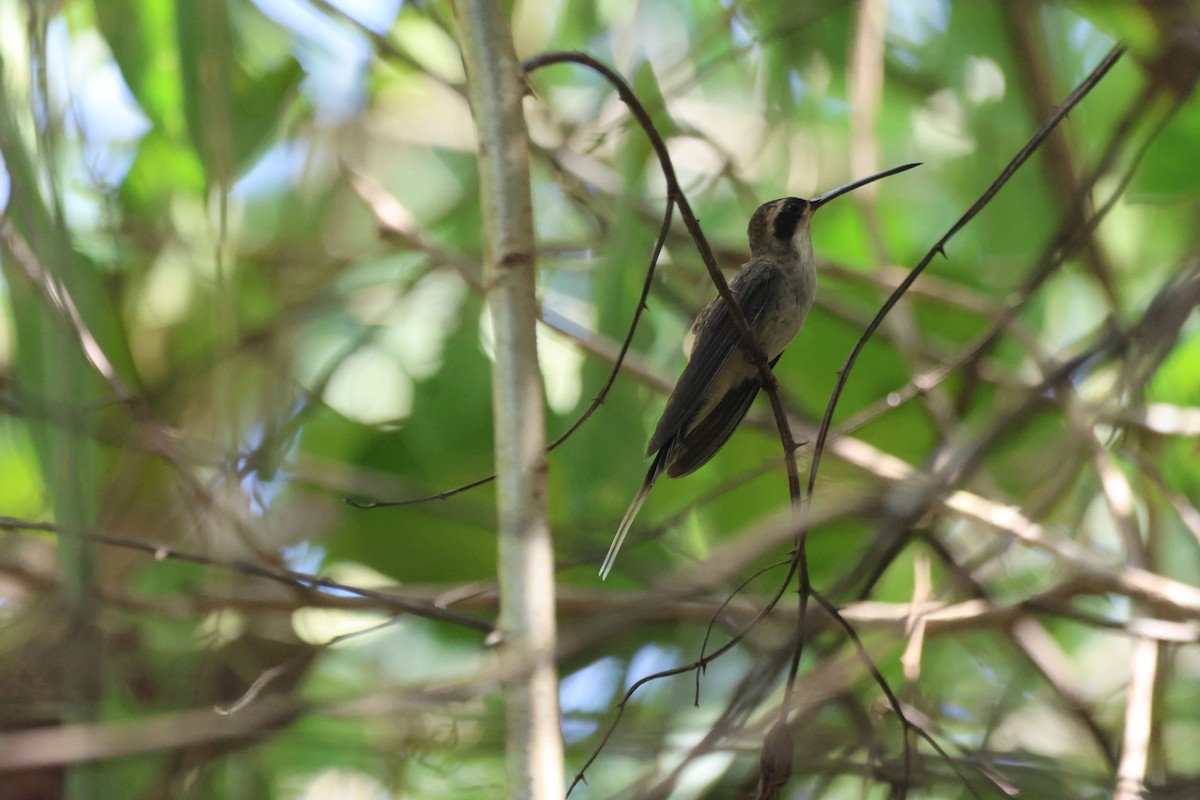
[1139,717]
[676,194]
[799,560]
[1006,174]
[292,578]
[397,222]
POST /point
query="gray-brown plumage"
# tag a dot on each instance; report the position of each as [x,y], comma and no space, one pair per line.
[775,290]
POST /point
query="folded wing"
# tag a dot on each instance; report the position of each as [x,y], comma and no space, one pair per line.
[695,423]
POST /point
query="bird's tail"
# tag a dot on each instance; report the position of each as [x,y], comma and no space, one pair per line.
[656,469]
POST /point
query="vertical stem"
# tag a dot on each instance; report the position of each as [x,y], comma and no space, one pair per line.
[49,368]
[1139,720]
[526,560]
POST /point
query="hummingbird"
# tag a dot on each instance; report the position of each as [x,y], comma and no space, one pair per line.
[775,290]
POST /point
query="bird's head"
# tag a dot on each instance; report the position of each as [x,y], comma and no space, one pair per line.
[782,225]
[776,225]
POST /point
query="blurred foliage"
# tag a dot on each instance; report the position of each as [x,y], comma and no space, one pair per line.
[240,272]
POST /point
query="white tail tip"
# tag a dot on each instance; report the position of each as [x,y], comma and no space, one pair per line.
[626,524]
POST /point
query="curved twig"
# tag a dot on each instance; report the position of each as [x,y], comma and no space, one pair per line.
[675,197]
[663,230]
[799,559]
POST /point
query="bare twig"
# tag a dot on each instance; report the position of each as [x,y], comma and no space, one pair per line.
[1139,715]
[676,195]
[292,578]
[843,376]
[396,221]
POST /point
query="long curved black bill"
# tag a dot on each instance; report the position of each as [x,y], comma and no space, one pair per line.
[817,202]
